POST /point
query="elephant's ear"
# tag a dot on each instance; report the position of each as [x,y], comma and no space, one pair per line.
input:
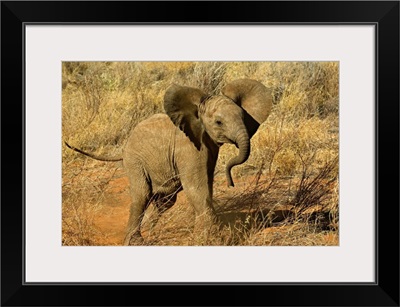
[254,98]
[182,103]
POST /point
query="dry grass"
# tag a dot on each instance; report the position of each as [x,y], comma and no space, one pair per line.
[285,194]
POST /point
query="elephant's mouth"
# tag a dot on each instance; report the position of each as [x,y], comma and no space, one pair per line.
[227,141]
[223,139]
[234,143]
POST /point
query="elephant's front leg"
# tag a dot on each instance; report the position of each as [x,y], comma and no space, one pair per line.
[205,227]
[206,221]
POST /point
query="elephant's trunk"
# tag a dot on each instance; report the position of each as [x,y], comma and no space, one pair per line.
[243,143]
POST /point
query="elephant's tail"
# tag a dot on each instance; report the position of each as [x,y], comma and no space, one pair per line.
[107,159]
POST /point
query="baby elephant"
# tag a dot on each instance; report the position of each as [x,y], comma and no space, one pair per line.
[176,151]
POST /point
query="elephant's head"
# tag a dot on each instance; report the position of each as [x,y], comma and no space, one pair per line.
[232,117]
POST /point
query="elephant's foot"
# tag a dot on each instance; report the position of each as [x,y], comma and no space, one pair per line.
[206,230]
[134,240]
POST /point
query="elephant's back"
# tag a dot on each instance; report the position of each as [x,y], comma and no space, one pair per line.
[152,132]
[155,122]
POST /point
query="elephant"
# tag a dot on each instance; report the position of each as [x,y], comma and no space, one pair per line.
[178,150]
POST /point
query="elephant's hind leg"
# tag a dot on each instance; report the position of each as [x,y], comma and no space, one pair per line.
[141,197]
[162,204]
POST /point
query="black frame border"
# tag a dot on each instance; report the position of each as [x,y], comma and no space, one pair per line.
[383,14]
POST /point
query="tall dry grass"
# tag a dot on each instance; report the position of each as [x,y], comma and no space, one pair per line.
[287,191]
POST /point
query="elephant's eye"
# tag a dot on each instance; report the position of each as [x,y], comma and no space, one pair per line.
[218,122]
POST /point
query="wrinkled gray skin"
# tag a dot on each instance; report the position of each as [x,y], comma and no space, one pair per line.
[178,150]
[161,159]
